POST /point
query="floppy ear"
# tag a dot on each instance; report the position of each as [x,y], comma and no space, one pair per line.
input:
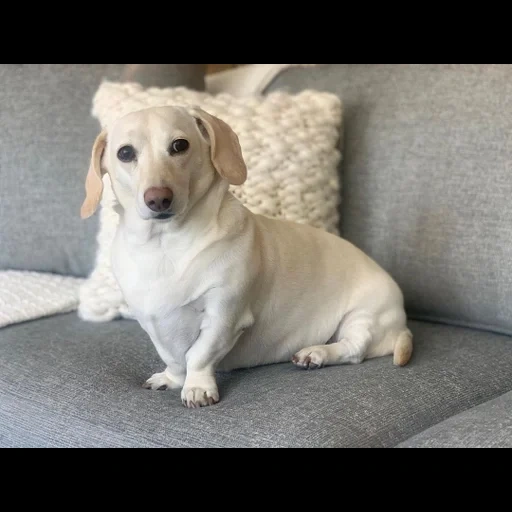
[225,150]
[94,181]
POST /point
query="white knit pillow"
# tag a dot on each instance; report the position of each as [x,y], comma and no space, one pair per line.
[289,142]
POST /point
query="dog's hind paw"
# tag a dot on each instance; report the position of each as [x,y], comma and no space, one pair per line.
[309,358]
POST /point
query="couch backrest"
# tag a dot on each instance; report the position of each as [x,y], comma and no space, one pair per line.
[46,136]
[427,180]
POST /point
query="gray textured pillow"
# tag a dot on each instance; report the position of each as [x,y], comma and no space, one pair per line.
[427,180]
[46,132]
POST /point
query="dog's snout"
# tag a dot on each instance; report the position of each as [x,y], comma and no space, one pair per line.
[158,199]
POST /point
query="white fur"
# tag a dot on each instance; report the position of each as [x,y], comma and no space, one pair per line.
[218,287]
[290,143]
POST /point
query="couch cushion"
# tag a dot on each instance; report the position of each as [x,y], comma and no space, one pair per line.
[68,383]
[427,180]
[486,426]
[45,143]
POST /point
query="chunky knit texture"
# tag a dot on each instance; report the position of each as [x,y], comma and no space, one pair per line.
[289,143]
[29,295]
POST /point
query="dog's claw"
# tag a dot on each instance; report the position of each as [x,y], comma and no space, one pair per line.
[194,405]
[196,398]
[162,388]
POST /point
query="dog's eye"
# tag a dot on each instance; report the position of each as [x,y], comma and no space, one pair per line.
[179,146]
[126,154]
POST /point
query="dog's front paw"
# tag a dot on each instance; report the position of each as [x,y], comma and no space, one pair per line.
[161,382]
[199,397]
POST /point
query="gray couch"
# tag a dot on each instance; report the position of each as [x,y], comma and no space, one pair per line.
[427,183]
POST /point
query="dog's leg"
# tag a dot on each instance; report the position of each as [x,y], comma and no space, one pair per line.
[354,336]
[174,375]
[168,379]
[214,343]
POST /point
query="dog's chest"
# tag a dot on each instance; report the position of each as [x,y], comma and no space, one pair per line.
[168,308]
[152,284]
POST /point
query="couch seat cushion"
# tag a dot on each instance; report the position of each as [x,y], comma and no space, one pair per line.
[67,383]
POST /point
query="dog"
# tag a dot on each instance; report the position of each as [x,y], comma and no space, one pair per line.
[217,287]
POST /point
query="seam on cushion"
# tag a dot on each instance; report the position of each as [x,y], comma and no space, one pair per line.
[458,413]
[451,417]
[459,323]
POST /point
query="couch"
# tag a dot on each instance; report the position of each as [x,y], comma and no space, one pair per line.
[426,186]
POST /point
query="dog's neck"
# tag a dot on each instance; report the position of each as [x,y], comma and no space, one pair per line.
[204,218]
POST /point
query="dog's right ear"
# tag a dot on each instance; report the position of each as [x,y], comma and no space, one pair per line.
[94,180]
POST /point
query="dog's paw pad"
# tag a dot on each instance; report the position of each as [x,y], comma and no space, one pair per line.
[308,359]
[160,382]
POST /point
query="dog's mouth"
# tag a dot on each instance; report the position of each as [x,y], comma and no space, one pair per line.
[164,216]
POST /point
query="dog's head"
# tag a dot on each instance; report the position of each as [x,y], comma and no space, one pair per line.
[162,160]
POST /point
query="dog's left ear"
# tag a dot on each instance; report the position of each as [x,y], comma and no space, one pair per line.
[94,180]
[225,150]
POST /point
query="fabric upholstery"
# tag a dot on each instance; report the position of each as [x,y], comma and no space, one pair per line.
[46,137]
[166,75]
[427,180]
[64,382]
[486,426]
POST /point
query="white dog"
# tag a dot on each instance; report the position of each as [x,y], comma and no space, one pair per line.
[217,287]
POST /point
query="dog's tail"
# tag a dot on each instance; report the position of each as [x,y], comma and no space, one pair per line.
[402,351]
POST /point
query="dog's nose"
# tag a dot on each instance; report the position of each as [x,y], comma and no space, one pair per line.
[158,199]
